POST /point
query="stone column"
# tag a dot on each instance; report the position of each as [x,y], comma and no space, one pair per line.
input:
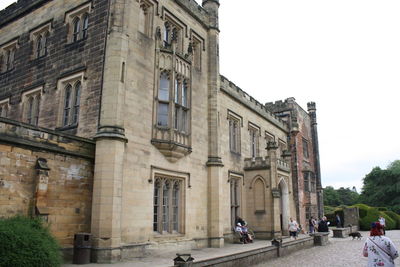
[42,185]
[110,142]
[275,213]
[312,111]
[214,163]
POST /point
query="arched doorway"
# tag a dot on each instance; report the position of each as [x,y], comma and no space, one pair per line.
[284,206]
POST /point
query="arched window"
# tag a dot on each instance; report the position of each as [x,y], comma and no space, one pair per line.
[67,105]
[85,25]
[259,195]
[77,96]
[165,206]
[76,29]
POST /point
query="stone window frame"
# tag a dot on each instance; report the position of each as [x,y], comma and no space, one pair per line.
[31,101]
[173,31]
[169,219]
[269,137]
[40,49]
[197,46]
[235,181]
[4,107]
[62,85]
[305,146]
[254,138]
[235,122]
[313,183]
[7,55]
[79,14]
[147,11]
[307,179]
[282,146]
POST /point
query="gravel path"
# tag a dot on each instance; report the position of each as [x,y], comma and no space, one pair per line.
[340,252]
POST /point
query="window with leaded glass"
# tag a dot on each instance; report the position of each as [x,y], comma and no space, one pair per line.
[234,134]
[72,94]
[167,205]
[235,199]
[78,22]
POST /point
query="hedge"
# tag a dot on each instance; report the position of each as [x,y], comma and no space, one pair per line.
[395,217]
[27,242]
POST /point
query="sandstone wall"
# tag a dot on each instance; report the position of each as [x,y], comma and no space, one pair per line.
[67,199]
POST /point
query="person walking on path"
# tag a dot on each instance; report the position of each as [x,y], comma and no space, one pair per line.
[293,228]
[383,223]
[323,225]
[379,249]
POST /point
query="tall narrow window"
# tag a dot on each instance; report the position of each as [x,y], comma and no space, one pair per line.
[235,199]
[4,109]
[167,35]
[85,25]
[9,59]
[75,113]
[32,109]
[67,105]
[305,149]
[163,98]
[306,176]
[72,95]
[234,134]
[167,205]
[76,29]
[313,183]
[38,45]
[145,17]
[254,133]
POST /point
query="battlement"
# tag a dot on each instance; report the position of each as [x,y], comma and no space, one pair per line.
[235,92]
[19,9]
[194,9]
[280,105]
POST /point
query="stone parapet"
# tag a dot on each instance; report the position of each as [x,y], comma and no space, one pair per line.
[238,94]
[195,10]
[19,9]
[32,137]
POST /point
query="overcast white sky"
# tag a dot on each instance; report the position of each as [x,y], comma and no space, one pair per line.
[342,54]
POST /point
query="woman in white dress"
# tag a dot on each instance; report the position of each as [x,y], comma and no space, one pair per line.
[379,249]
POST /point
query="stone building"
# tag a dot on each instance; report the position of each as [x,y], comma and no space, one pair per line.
[305,165]
[116,121]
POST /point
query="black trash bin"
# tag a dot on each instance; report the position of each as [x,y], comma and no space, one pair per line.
[82,248]
[183,260]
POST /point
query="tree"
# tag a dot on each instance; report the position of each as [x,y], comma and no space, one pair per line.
[331,197]
[381,187]
[342,196]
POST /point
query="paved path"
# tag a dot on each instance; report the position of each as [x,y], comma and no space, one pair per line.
[340,252]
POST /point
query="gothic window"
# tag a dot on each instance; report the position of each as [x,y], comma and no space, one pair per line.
[39,38]
[282,146]
[146,17]
[305,149]
[234,134]
[235,198]
[32,106]
[167,35]
[173,32]
[254,133]
[71,103]
[85,25]
[78,21]
[167,205]
[7,53]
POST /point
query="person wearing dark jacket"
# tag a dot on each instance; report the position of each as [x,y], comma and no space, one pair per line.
[323,225]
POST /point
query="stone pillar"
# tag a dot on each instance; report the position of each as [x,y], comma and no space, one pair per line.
[110,142]
[42,184]
[214,163]
[275,213]
[294,130]
[312,111]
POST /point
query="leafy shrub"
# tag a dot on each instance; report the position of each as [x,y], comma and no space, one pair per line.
[382,208]
[395,217]
[26,242]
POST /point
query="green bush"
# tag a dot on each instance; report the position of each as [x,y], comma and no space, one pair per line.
[395,217]
[26,242]
[382,208]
